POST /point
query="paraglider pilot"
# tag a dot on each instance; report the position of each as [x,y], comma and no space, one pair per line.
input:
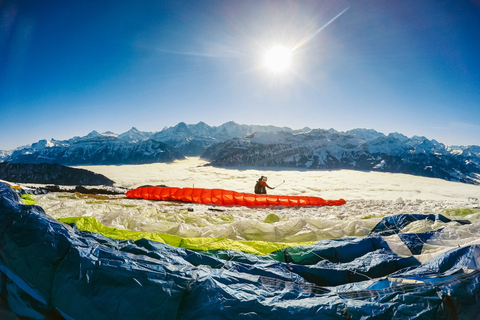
[260,187]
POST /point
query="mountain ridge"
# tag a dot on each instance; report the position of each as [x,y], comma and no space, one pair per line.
[51,173]
[357,149]
[232,144]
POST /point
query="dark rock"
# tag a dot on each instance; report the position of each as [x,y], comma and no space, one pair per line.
[51,174]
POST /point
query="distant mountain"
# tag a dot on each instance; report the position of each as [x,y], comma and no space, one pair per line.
[4,155]
[134,135]
[358,149]
[193,139]
[134,146]
[232,144]
[98,149]
[472,153]
[51,174]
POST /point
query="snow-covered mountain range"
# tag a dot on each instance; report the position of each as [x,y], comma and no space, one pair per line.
[134,146]
[358,149]
[233,144]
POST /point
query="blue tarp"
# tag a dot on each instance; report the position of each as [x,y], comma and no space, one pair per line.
[49,270]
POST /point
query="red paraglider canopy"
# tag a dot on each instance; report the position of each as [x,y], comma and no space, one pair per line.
[227,197]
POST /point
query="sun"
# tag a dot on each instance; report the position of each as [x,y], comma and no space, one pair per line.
[278,59]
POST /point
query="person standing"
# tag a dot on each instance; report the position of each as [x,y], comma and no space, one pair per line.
[261,185]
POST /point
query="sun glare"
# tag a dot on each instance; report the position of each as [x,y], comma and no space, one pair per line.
[277,59]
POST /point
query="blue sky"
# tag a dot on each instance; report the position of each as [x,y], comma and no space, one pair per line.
[70,67]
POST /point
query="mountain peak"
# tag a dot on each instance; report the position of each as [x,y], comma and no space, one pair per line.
[134,135]
[181,125]
[202,124]
[93,134]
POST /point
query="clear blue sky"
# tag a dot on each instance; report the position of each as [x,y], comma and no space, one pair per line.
[70,67]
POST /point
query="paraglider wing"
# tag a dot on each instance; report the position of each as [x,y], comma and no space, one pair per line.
[227,197]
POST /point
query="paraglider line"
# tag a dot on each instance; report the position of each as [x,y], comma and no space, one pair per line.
[280,184]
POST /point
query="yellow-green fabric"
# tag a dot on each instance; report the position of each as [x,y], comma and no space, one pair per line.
[27,199]
[199,244]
